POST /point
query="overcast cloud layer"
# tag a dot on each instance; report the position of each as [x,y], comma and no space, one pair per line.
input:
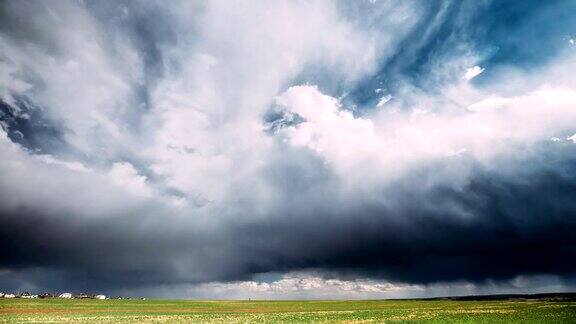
[288,149]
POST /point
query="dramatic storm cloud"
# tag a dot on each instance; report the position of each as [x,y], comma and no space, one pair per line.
[288,149]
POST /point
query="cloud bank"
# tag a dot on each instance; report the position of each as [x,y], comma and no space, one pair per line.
[288,149]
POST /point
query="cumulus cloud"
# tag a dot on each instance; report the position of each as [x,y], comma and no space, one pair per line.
[188,148]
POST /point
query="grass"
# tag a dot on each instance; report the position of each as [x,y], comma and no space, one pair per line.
[185,311]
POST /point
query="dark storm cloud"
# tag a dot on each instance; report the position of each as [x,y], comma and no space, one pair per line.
[139,164]
[502,223]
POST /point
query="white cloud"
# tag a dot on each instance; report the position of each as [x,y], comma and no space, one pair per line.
[383,100]
[124,175]
[9,83]
[61,187]
[72,165]
[85,86]
[328,130]
[292,285]
[231,72]
[216,82]
[473,72]
[390,144]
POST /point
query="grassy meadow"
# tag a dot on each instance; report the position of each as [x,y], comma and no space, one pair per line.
[185,311]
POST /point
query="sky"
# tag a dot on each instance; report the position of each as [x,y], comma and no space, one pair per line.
[288,149]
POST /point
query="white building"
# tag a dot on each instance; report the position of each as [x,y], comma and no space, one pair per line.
[29,296]
[9,296]
[100,297]
[65,295]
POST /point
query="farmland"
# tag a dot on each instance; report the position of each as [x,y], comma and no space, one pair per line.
[138,311]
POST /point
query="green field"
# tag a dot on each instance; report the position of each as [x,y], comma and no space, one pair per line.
[138,311]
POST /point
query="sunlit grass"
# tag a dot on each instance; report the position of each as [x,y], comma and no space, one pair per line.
[159,311]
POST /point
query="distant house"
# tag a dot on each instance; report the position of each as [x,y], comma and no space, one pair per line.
[46,295]
[100,297]
[28,296]
[66,295]
[9,296]
[2,294]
